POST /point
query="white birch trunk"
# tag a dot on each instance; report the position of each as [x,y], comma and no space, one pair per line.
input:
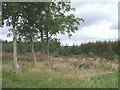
[33,52]
[15,49]
[47,50]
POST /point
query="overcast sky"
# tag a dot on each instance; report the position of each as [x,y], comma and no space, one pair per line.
[100,23]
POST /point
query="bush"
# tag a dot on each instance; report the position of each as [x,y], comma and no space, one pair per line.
[7,47]
[91,54]
[21,48]
[109,54]
[65,51]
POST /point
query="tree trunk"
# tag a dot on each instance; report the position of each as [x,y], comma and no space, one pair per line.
[33,52]
[15,48]
[47,50]
[43,50]
[47,47]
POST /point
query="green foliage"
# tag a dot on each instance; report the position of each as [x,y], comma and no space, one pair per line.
[54,45]
[109,54]
[91,54]
[21,47]
[75,50]
[65,51]
[11,12]
[7,47]
[39,20]
[104,49]
[25,47]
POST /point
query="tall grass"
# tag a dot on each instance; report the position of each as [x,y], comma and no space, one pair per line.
[59,73]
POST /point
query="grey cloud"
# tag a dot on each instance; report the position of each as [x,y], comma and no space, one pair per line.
[115,26]
[77,36]
[82,4]
[94,13]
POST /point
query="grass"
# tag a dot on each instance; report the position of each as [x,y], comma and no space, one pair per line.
[58,73]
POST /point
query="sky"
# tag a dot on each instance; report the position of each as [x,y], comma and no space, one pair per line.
[100,23]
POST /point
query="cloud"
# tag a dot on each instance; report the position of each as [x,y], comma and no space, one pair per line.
[101,22]
[93,13]
[91,33]
[115,26]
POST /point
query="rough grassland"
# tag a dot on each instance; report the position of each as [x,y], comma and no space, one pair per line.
[59,73]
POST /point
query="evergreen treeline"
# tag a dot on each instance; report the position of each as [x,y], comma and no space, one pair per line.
[106,49]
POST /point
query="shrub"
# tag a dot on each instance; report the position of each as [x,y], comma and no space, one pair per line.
[91,54]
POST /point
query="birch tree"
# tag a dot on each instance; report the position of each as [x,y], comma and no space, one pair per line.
[27,30]
[56,22]
[10,16]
